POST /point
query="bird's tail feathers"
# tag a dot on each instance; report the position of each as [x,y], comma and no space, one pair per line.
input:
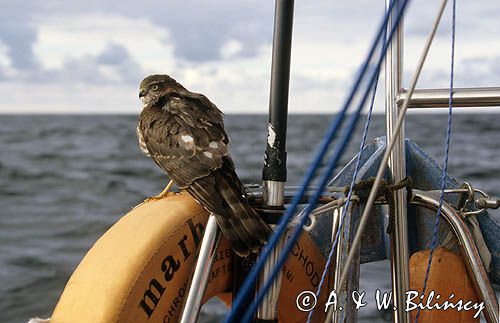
[247,223]
[243,228]
[232,236]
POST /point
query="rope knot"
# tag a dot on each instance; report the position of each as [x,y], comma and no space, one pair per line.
[363,187]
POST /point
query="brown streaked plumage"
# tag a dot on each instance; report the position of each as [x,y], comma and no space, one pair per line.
[183,132]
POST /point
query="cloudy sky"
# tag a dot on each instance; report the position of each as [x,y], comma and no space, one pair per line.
[89,55]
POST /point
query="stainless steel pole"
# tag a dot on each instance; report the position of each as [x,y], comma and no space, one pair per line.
[274,172]
[202,271]
[397,167]
[268,309]
[462,97]
[335,316]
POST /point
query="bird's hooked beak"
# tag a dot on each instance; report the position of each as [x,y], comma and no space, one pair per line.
[142,93]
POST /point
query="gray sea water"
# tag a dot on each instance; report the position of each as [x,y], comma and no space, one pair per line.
[64,180]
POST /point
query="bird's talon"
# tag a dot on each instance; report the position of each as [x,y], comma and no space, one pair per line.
[163,194]
[156,198]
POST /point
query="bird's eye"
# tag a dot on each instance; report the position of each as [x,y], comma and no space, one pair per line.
[155,87]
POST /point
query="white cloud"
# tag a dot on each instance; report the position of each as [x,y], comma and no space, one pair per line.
[224,51]
[231,48]
[5,61]
[6,69]
[63,37]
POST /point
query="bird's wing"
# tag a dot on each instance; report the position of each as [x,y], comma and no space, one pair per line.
[185,138]
[140,138]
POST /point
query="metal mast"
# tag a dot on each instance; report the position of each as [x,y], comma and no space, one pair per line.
[274,172]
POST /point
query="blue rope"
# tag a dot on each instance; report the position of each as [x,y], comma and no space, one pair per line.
[254,273]
[353,181]
[445,166]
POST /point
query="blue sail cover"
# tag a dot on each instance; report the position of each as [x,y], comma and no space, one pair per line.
[426,175]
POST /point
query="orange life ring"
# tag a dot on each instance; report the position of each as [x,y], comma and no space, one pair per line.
[139,270]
